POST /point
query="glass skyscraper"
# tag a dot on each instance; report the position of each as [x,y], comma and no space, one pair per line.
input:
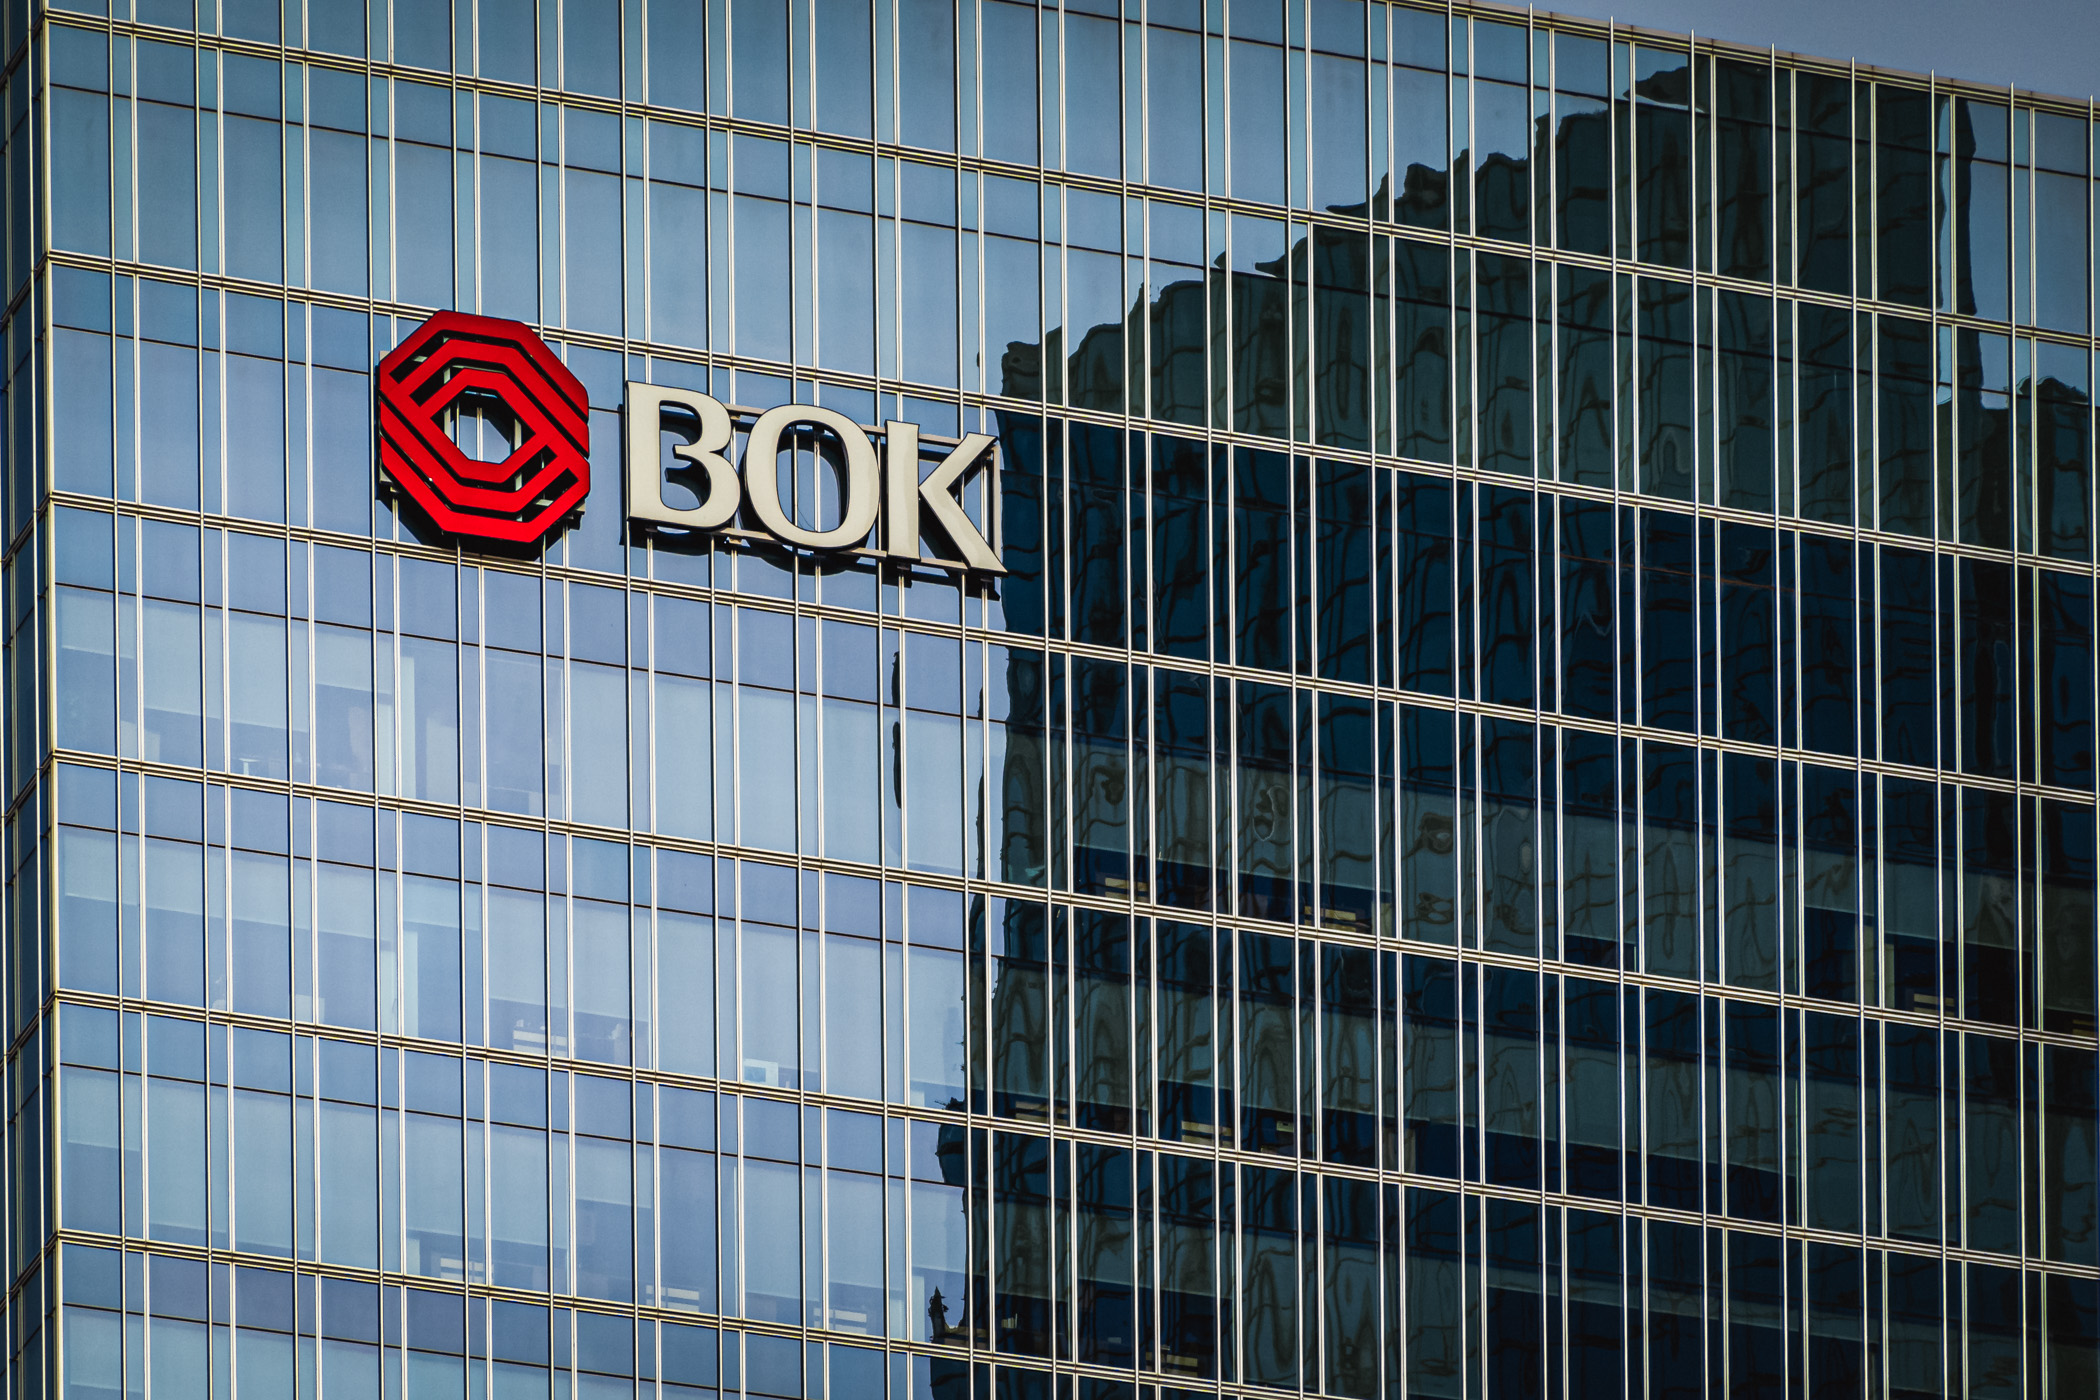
[1519,822]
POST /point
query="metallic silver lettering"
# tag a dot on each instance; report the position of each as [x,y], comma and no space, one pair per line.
[889,487]
[907,494]
[645,477]
[857,483]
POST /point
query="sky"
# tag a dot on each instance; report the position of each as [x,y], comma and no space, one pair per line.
[2045,46]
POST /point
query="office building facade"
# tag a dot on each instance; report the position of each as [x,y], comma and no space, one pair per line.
[1514,815]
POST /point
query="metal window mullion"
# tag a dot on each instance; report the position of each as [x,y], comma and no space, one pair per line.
[902,706]
[2024,279]
[224,677]
[1871,160]
[1066,349]
[480,200]
[647,271]
[1064,120]
[393,192]
[817,1289]
[814,752]
[559,172]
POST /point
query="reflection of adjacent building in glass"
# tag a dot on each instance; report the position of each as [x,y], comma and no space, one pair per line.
[1349,815]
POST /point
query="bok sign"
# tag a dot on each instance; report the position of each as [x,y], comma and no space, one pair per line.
[889,487]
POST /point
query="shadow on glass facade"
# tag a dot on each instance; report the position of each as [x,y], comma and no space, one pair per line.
[1521,823]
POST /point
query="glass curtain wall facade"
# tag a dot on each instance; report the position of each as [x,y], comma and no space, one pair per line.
[1521,824]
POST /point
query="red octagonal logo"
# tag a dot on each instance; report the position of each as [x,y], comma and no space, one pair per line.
[455,363]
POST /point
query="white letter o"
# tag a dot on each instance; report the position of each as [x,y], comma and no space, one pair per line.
[762,476]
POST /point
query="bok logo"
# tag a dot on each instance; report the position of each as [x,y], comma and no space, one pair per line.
[454,368]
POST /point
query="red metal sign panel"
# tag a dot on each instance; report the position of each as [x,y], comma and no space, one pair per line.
[454,357]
